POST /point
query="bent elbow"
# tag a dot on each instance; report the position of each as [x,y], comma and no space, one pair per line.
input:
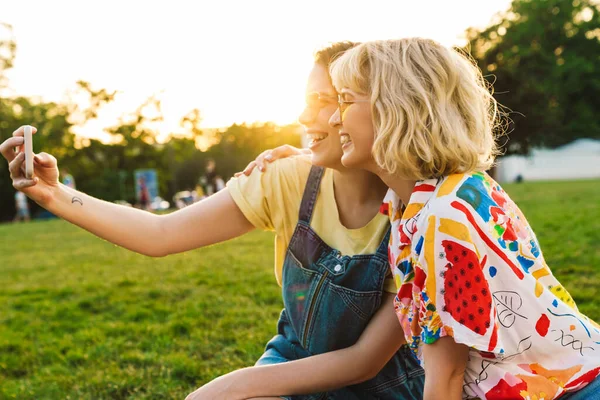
[372,373]
[366,373]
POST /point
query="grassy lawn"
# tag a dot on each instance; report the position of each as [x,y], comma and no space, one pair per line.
[81,318]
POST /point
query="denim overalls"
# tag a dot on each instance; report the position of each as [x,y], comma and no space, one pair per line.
[329,300]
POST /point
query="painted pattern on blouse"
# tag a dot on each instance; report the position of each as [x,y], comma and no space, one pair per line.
[468,265]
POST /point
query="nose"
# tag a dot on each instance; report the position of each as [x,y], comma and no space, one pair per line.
[335,121]
[307,116]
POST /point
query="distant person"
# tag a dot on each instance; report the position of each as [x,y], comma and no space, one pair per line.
[219,183]
[519,179]
[22,207]
[143,194]
[199,193]
[179,203]
[208,179]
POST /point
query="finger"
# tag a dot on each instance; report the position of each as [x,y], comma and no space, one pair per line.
[21,133]
[24,183]
[21,130]
[263,158]
[7,148]
[263,155]
[248,170]
[45,159]
[260,164]
[14,167]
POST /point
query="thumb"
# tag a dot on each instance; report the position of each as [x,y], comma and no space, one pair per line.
[45,160]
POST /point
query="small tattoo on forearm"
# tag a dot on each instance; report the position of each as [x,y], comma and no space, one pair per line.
[76,200]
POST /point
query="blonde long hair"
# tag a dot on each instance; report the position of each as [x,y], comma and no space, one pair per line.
[433,114]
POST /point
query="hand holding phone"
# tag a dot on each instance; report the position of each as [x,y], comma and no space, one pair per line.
[28,136]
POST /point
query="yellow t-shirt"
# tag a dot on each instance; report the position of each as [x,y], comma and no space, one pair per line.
[271,200]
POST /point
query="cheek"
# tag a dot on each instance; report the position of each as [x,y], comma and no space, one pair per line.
[366,126]
[366,134]
[368,137]
[325,115]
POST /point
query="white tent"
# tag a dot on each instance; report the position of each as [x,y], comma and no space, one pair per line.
[579,159]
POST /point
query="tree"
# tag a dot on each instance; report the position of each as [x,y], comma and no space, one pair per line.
[240,144]
[542,57]
[106,171]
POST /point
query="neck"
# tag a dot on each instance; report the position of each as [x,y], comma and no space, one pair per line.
[358,185]
[402,187]
[358,196]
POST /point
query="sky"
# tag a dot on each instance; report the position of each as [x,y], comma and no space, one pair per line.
[236,61]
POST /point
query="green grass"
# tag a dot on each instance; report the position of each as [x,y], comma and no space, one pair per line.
[566,219]
[81,318]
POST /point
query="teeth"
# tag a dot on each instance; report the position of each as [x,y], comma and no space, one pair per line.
[345,139]
[316,136]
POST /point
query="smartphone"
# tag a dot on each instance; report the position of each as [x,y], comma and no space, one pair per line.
[28,152]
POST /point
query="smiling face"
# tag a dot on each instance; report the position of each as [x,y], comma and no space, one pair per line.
[354,122]
[430,113]
[321,99]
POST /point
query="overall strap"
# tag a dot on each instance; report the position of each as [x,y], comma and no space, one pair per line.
[310,194]
[383,246]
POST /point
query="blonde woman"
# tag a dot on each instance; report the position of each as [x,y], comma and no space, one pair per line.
[477,302]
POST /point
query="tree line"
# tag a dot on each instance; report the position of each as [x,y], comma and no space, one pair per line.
[542,57]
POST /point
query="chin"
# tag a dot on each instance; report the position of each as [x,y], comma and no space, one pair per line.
[321,162]
[351,161]
[318,160]
[326,160]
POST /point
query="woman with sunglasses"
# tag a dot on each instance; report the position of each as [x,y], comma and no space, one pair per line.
[477,302]
[331,259]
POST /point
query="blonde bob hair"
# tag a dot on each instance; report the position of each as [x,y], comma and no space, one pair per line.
[432,112]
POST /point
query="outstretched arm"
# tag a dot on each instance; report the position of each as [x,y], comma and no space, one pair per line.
[376,346]
[210,221]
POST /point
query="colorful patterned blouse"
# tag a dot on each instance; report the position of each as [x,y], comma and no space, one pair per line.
[468,265]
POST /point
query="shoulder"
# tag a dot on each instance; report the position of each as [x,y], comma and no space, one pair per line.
[288,173]
[461,197]
[458,211]
[284,177]
[299,165]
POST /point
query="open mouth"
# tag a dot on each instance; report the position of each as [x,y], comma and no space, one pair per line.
[315,138]
[345,140]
